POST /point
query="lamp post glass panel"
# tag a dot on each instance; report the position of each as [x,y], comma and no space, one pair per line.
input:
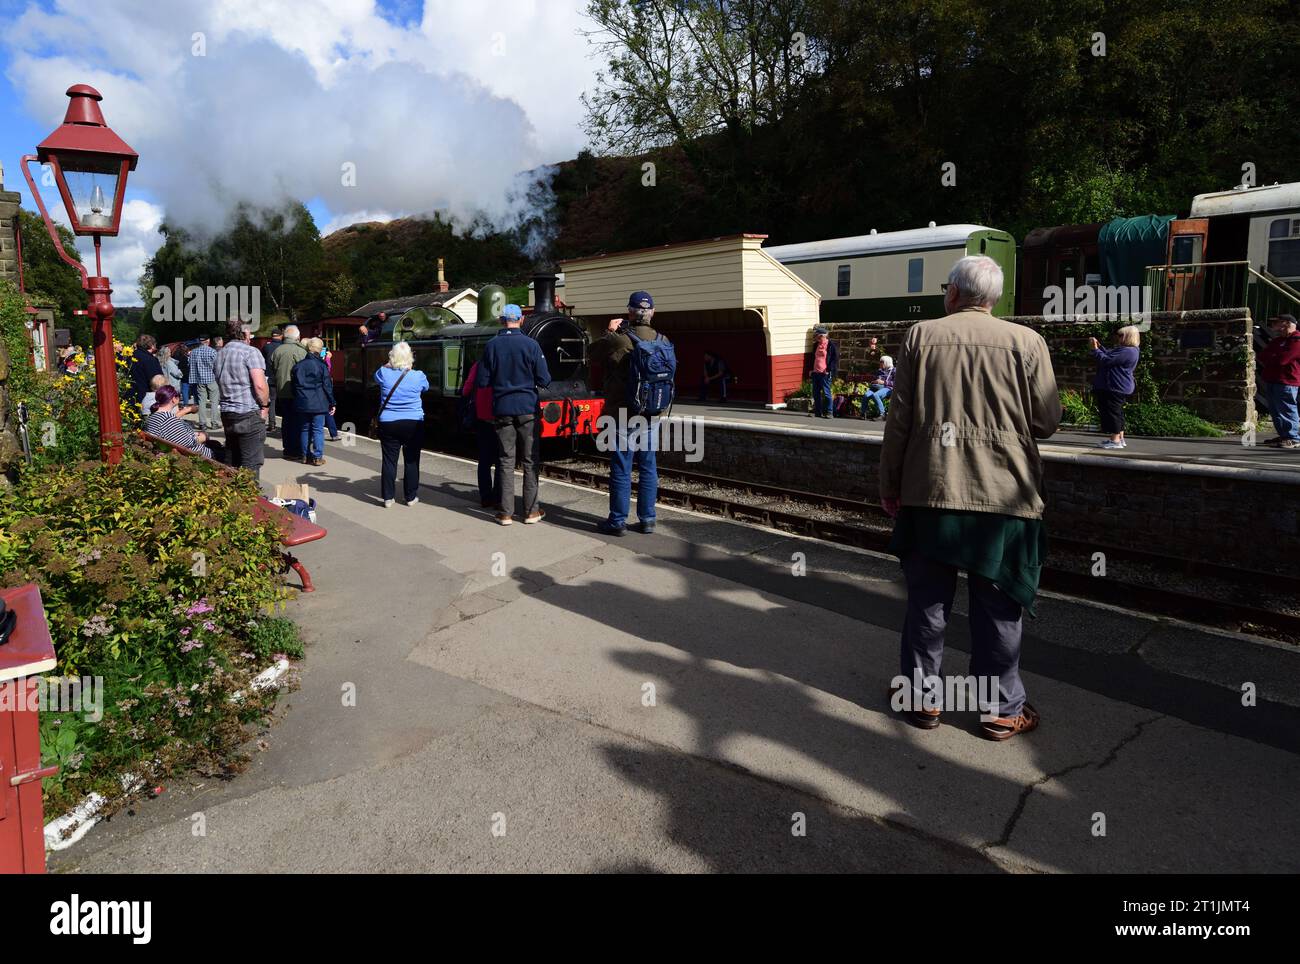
[90,165]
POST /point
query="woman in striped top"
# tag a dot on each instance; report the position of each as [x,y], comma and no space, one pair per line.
[166,425]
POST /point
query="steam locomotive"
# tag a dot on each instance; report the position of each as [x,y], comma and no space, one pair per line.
[445,349]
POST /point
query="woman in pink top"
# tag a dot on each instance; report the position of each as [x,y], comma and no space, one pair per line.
[825,360]
[331,425]
[489,471]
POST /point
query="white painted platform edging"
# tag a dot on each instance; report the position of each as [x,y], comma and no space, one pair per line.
[78,821]
[62,832]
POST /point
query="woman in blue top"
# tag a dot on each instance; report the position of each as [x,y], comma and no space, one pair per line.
[401,422]
[1114,383]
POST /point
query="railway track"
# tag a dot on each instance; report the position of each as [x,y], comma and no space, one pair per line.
[1157,600]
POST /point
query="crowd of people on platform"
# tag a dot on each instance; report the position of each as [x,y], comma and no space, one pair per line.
[244,390]
[235,386]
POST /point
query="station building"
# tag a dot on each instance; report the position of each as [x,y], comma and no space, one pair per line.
[725,295]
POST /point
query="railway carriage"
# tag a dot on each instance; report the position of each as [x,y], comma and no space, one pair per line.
[895,275]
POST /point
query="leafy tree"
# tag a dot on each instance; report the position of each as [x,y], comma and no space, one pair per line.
[342,295]
[278,251]
[48,278]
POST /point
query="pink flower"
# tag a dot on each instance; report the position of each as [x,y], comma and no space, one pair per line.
[210,626]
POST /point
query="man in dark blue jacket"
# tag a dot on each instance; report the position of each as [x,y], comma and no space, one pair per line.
[515,368]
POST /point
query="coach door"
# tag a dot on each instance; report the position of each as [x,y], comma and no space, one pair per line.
[1185,276]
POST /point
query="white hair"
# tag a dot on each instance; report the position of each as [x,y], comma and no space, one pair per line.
[291,333]
[1130,336]
[886,361]
[978,279]
[400,356]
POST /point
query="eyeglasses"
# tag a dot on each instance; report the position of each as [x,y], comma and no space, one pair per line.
[945,286]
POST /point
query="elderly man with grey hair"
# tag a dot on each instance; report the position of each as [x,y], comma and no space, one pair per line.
[282,361]
[961,474]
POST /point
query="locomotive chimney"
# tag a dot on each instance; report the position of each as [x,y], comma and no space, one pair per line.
[543,294]
[442,281]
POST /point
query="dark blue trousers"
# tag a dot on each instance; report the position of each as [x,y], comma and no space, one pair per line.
[489,468]
[995,625]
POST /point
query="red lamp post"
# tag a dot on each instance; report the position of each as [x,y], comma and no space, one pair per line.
[90,165]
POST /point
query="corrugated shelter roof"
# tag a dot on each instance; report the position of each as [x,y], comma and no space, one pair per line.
[446,298]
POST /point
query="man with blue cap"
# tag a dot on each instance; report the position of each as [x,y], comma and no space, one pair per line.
[514,367]
[612,352]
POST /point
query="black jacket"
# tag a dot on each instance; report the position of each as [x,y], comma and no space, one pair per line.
[611,353]
[143,369]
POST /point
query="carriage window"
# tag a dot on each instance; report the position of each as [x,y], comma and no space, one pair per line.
[915,275]
[843,280]
[1284,258]
[1187,249]
[1284,248]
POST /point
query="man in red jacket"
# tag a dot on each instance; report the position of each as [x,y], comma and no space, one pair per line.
[1280,364]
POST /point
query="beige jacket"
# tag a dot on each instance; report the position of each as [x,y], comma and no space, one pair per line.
[971,394]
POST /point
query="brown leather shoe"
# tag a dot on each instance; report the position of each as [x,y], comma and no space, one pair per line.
[537,515]
[924,719]
[1004,727]
[504,519]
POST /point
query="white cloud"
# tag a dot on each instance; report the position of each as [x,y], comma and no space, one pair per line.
[123,257]
[439,115]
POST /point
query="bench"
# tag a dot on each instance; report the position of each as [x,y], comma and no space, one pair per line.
[859,397]
[294,529]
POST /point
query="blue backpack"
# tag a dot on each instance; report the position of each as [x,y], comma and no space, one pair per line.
[651,369]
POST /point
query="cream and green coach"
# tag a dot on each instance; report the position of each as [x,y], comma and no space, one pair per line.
[895,275]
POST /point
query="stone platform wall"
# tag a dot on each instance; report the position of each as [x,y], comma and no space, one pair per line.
[1204,358]
[1250,519]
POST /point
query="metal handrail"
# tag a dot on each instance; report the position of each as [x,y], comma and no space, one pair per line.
[1278,283]
[1212,272]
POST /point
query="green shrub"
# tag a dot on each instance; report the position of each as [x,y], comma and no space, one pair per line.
[13,332]
[803,391]
[156,576]
[1162,418]
[274,636]
[1077,410]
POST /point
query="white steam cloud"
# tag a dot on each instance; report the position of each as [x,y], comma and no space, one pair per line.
[314,99]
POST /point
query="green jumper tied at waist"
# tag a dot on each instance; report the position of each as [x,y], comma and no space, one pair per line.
[1004,549]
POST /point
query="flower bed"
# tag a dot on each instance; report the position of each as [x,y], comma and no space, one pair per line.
[160,586]
[158,579]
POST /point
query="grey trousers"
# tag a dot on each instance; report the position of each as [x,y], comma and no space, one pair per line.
[245,440]
[995,627]
[209,416]
[515,430]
